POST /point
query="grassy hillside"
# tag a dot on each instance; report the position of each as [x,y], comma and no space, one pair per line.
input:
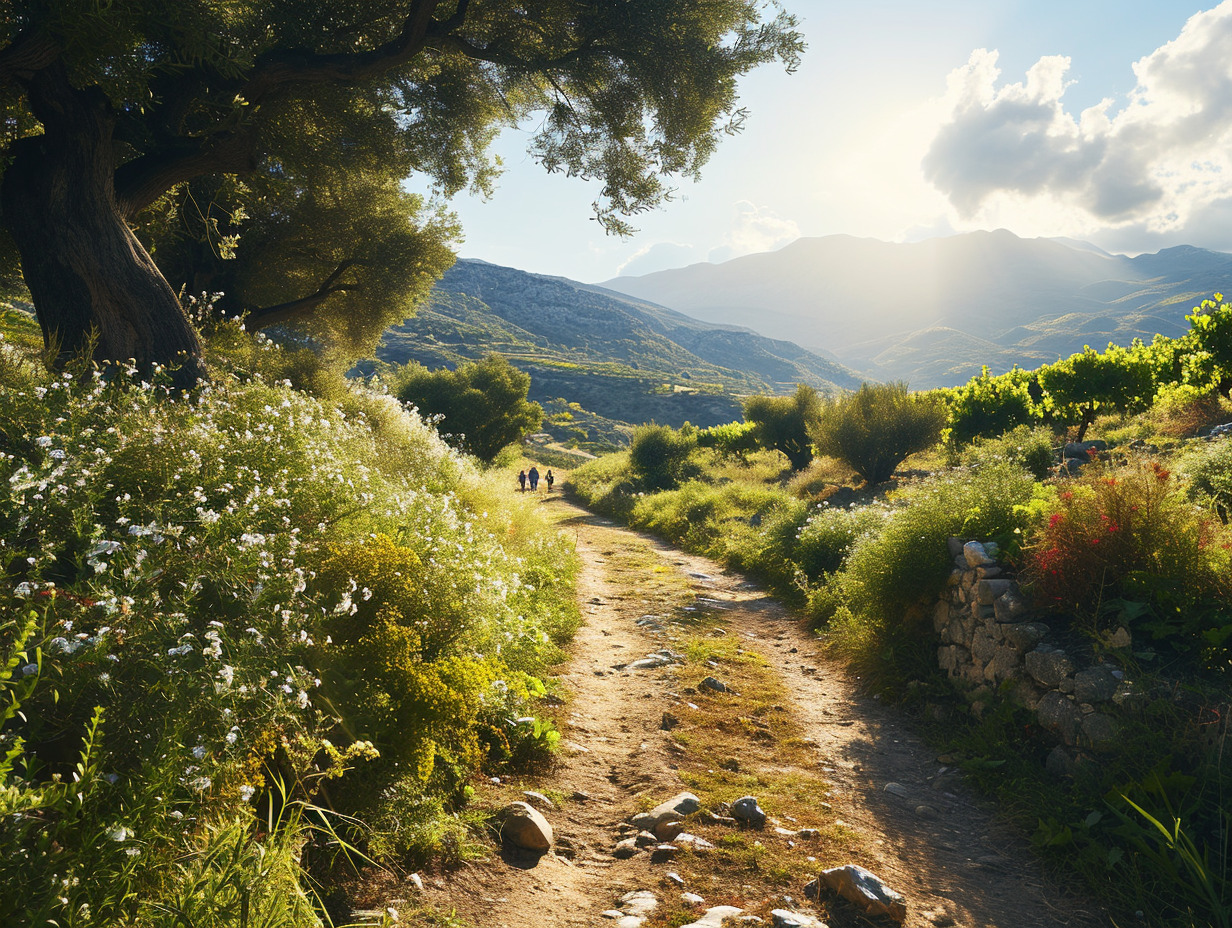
[624,361]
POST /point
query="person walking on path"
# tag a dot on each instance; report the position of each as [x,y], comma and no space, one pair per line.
[522,481]
[534,478]
[550,479]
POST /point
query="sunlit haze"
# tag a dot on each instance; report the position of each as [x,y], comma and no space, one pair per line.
[1104,121]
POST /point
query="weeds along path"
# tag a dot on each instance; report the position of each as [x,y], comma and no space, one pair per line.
[794,732]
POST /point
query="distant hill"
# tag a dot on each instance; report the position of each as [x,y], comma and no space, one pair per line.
[620,359]
[933,312]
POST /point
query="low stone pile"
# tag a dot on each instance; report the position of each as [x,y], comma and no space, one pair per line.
[991,639]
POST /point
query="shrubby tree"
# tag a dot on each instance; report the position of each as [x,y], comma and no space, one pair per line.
[874,429]
[1078,386]
[110,110]
[781,423]
[986,406]
[659,454]
[482,404]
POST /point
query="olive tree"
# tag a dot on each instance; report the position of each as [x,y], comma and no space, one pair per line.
[112,111]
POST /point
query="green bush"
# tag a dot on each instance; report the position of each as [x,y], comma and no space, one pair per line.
[827,538]
[481,407]
[1210,477]
[1128,548]
[659,455]
[781,423]
[876,605]
[987,406]
[874,429]
[1031,449]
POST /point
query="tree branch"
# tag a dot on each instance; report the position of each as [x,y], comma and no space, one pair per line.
[27,54]
[140,182]
[292,309]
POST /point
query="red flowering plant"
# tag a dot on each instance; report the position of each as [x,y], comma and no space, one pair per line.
[1127,548]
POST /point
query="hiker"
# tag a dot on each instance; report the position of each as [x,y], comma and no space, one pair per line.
[550,479]
[522,481]
[534,478]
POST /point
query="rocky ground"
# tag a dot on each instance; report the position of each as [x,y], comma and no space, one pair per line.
[840,779]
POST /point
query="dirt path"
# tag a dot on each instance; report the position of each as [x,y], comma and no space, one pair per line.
[889,805]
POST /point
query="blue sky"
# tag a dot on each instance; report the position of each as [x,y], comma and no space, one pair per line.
[907,120]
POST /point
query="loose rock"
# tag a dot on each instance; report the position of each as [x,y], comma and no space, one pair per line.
[524,827]
[863,888]
[676,808]
[785,918]
[745,809]
[715,685]
[539,801]
[714,917]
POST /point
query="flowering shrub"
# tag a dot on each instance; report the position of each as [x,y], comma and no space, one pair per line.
[1126,547]
[175,566]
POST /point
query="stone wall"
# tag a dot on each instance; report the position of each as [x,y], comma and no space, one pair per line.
[991,640]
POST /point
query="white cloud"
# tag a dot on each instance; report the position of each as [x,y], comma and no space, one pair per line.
[754,229]
[1013,153]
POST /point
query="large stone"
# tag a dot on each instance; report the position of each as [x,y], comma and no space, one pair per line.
[524,827]
[863,889]
[975,555]
[674,809]
[715,685]
[941,617]
[1100,730]
[714,917]
[1058,713]
[1007,662]
[746,810]
[1083,449]
[640,903]
[1095,684]
[1049,666]
[983,645]
[987,591]
[1024,635]
[1009,607]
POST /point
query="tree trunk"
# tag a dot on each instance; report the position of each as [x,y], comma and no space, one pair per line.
[89,276]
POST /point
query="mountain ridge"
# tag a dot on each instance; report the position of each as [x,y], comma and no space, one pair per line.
[856,298]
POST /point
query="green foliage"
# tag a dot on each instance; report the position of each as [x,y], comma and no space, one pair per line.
[322,113]
[782,423]
[876,605]
[1208,358]
[1127,548]
[987,406]
[877,427]
[659,455]
[1210,477]
[1078,386]
[1031,449]
[735,439]
[185,632]
[827,538]
[482,405]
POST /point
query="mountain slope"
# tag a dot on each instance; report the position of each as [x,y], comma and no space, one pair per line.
[872,304]
[626,360]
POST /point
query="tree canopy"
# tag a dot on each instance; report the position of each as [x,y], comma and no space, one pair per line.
[180,119]
[781,423]
[482,405]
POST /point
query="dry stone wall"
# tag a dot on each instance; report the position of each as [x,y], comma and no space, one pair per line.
[991,640]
